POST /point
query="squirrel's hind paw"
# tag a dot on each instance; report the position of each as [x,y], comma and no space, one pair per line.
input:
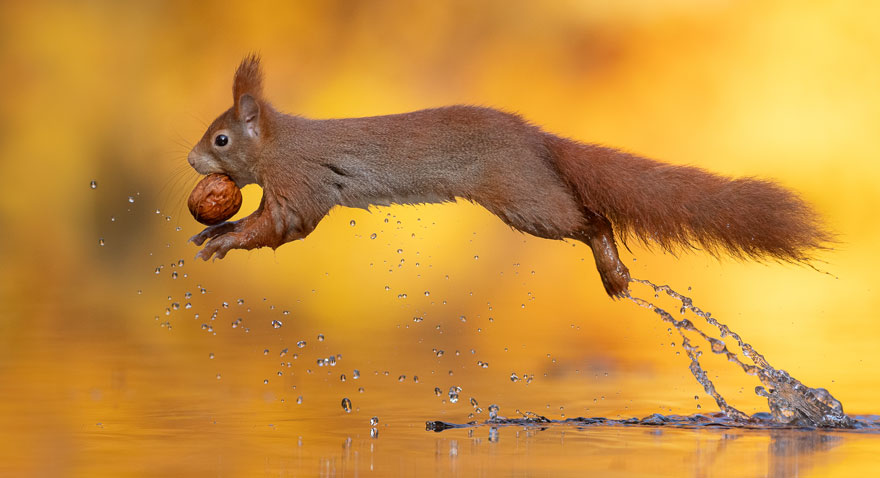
[616,283]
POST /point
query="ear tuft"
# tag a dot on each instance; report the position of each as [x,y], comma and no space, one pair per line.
[248,79]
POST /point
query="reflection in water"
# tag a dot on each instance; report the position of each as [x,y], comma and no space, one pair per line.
[792,453]
[714,442]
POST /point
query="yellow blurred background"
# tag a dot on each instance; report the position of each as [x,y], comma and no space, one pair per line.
[117,92]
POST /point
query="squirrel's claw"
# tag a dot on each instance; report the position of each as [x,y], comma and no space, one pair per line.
[616,283]
[218,246]
[211,232]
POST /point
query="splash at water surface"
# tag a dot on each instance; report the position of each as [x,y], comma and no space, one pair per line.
[791,403]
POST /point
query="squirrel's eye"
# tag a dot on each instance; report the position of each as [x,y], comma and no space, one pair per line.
[221,140]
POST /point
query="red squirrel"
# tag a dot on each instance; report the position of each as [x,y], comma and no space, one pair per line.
[535,181]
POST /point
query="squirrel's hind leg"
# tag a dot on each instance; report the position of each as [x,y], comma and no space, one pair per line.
[574,222]
[598,234]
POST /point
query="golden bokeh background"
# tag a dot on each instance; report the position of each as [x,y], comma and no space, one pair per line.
[117,92]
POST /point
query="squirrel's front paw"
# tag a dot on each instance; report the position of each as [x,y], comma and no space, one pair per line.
[219,246]
[212,231]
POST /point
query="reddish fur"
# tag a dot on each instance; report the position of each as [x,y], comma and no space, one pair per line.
[536,182]
[679,207]
[248,79]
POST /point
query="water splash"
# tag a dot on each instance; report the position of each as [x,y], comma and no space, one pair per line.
[791,402]
[762,420]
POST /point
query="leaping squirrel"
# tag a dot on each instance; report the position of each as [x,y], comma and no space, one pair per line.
[535,181]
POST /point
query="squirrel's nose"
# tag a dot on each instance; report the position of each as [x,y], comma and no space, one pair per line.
[191,158]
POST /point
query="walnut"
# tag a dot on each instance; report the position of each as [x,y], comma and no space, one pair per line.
[215,199]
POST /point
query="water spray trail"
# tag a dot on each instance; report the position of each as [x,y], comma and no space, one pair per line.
[791,402]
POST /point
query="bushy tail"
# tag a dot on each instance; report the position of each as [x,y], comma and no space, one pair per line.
[680,207]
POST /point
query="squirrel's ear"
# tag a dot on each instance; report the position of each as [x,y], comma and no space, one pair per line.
[248,80]
[249,114]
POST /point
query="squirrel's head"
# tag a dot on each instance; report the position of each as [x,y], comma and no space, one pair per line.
[232,142]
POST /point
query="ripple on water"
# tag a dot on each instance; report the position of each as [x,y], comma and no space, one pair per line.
[762,420]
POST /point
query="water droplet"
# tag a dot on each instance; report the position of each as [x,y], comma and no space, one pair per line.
[373,235]
[101,241]
[356,374]
[374,421]
[453,394]
[346,405]
[299,400]
[513,377]
[351,223]
[131,199]
[320,337]
[717,346]
[493,411]
[94,184]
[437,391]
[276,324]
[401,378]
[301,344]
